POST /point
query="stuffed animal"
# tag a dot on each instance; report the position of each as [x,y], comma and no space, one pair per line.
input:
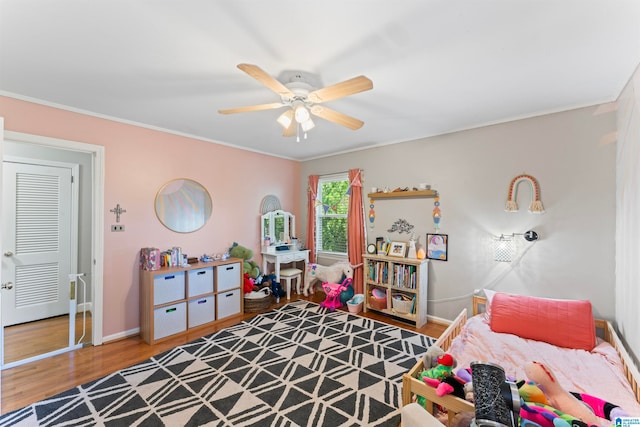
[548,416]
[530,392]
[557,396]
[443,369]
[330,274]
[468,392]
[248,266]
[451,385]
[430,358]
[600,407]
[249,284]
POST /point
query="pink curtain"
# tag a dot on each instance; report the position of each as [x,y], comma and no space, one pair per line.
[355,228]
[312,193]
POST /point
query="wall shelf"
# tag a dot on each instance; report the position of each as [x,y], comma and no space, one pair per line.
[404,194]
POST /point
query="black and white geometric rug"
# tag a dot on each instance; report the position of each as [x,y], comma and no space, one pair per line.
[300,365]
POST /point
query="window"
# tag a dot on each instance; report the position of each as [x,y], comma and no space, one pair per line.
[331,214]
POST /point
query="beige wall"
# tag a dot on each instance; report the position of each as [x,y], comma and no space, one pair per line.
[472,170]
[628,204]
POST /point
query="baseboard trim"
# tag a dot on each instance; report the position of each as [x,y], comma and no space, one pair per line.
[121,335]
[438,320]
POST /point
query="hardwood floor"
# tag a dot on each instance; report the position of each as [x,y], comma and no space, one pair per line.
[29,383]
[42,336]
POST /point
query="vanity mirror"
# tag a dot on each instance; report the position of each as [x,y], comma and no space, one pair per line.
[277,228]
[183,205]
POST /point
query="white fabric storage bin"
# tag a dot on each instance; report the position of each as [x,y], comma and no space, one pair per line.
[168,287]
[228,276]
[169,320]
[200,281]
[201,311]
[228,303]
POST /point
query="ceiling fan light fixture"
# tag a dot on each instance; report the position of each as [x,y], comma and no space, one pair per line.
[285,119]
[301,114]
[307,125]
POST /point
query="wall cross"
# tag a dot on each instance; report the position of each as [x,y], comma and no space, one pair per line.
[118,211]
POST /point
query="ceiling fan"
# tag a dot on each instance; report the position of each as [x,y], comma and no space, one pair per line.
[303,99]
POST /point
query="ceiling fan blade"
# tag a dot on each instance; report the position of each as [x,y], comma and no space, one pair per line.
[340,90]
[260,75]
[335,117]
[291,130]
[259,107]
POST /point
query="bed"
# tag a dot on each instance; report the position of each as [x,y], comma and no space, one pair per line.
[463,326]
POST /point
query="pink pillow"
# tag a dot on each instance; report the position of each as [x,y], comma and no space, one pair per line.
[565,323]
[489,294]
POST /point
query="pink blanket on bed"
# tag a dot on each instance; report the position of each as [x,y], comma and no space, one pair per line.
[598,372]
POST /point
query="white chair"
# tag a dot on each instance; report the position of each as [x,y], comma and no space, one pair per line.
[289,274]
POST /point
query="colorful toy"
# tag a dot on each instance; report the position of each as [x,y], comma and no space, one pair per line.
[249,284]
[329,274]
[443,369]
[530,392]
[333,291]
[600,407]
[451,385]
[557,396]
[348,293]
[544,416]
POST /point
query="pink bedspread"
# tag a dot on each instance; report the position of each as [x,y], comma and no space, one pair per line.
[598,372]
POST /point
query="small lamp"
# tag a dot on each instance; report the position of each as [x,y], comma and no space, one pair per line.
[503,248]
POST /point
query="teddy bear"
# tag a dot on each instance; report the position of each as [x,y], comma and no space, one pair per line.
[248,266]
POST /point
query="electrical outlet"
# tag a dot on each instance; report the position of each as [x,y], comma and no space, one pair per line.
[117,227]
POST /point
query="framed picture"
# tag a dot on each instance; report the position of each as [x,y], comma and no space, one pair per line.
[398,249]
[437,245]
[381,246]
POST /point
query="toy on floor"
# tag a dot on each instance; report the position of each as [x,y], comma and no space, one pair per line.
[328,274]
[333,294]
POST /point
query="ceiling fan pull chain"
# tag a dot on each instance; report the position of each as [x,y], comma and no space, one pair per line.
[297,132]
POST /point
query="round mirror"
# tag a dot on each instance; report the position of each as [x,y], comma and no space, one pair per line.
[183,205]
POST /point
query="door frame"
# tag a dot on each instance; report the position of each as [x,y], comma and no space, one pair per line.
[97,230]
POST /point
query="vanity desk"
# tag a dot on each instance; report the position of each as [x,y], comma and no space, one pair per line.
[277,231]
[283,257]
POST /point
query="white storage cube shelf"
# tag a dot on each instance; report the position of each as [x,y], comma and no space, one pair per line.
[202,310]
[169,320]
[178,299]
[228,303]
[168,287]
[227,277]
[200,281]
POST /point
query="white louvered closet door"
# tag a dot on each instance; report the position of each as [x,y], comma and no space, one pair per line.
[36,241]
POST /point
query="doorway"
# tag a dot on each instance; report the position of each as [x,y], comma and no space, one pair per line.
[90,237]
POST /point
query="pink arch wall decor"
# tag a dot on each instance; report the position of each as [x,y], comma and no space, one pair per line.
[536,203]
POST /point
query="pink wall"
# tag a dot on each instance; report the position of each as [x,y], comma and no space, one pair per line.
[137,162]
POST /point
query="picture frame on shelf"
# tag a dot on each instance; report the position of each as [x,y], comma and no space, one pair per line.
[381,248]
[397,249]
[437,246]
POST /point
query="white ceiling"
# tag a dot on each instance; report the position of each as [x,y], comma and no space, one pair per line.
[437,66]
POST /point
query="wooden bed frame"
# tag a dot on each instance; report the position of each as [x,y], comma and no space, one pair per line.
[412,386]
